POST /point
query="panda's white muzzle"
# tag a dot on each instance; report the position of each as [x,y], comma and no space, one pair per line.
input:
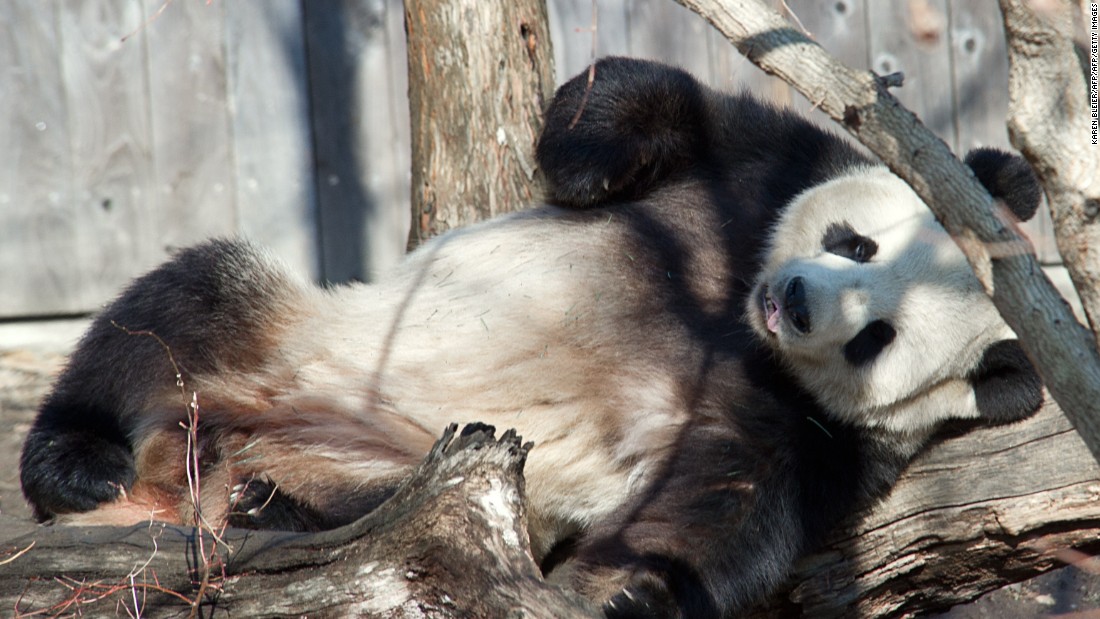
[790,304]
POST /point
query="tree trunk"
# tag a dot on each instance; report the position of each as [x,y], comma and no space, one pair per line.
[1049,122]
[479,74]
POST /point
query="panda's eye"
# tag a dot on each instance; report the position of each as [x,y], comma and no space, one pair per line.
[860,253]
[841,239]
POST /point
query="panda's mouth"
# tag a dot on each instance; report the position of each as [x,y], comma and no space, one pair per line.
[773,312]
[791,307]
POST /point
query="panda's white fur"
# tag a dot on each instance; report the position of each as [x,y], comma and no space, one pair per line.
[699,421]
[918,276]
[443,348]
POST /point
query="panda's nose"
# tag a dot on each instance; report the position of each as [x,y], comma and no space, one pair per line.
[794,305]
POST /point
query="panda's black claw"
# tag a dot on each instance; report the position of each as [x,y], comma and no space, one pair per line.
[635,603]
[259,504]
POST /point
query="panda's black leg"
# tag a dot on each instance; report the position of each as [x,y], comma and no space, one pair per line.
[616,135]
[258,502]
[210,307]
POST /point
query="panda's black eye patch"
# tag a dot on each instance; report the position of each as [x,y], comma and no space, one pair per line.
[841,239]
[869,342]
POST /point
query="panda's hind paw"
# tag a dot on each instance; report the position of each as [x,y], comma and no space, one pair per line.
[642,600]
[257,503]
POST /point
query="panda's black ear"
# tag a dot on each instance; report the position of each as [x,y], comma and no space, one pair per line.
[1008,178]
[616,135]
[1006,385]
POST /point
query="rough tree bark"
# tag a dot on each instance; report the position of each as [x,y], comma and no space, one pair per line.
[451,543]
[1049,122]
[479,75]
[982,509]
[1063,351]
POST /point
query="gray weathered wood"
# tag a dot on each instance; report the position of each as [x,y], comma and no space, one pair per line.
[383,77]
[192,148]
[452,542]
[35,163]
[571,24]
[913,37]
[659,28]
[980,74]
[981,106]
[1014,495]
[272,142]
[106,88]
[260,119]
[842,28]
[731,72]
[361,163]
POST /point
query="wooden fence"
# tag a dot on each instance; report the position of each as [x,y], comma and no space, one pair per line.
[130,127]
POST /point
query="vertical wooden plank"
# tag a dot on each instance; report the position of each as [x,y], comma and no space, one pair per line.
[570,27]
[114,201]
[669,32]
[35,163]
[362,194]
[396,225]
[980,77]
[980,74]
[912,37]
[839,26]
[192,147]
[392,173]
[272,139]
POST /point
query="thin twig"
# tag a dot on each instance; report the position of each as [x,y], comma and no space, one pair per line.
[17,555]
[591,68]
[150,20]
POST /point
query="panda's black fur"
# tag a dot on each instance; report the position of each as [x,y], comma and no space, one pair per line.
[681,461]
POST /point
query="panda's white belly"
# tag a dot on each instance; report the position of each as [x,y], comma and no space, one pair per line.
[483,329]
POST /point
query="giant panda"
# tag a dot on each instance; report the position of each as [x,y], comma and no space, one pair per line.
[725,331]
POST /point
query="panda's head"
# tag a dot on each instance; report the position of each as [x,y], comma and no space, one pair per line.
[872,305]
